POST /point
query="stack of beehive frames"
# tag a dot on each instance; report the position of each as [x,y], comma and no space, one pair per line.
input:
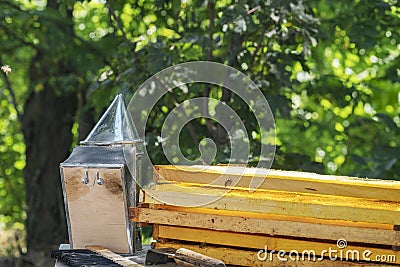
[291,219]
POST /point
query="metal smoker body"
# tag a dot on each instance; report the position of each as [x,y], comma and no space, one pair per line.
[99,184]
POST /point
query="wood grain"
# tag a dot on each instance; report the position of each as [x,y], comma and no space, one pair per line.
[281,180]
[266,216]
[242,224]
[106,253]
[276,202]
[259,242]
[241,257]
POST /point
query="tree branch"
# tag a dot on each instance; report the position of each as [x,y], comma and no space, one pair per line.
[16,37]
[259,44]
[118,21]
[211,15]
[12,95]
[190,128]
[93,48]
[176,103]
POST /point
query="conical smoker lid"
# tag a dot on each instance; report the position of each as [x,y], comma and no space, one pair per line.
[114,127]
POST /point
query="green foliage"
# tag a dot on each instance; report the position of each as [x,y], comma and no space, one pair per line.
[339,97]
[12,163]
[348,99]
[15,52]
[260,38]
[24,28]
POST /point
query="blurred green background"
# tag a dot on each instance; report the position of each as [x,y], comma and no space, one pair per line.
[329,69]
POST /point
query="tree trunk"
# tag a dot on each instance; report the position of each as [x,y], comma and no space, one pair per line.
[46,123]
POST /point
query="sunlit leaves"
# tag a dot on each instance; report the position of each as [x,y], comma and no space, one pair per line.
[351,84]
[342,83]
[91,20]
[12,162]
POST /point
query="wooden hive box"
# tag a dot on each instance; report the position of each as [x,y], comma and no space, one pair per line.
[211,210]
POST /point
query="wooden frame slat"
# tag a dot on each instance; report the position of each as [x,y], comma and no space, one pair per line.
[259,242]
[265,216]
[301,182]
[249,258]
[114,257]
[276,202]
[242,224]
